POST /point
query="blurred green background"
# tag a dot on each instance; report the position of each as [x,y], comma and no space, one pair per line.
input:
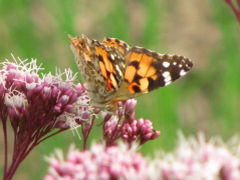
[207,99]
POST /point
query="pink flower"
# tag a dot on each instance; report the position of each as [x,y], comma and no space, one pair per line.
[37,107]
[99,162]
[123,125]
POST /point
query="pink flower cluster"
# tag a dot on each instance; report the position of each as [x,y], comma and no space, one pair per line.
[39,102]
[99,162]
[36,108]
[201,159]
[193,159]
[124,125]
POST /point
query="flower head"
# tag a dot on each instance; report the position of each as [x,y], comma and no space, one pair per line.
[99,162]
[123,125]
[40,101]
[38,107]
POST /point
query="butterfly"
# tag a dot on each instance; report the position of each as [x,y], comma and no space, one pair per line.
[114,71]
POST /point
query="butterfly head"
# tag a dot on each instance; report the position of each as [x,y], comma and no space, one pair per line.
[81,46]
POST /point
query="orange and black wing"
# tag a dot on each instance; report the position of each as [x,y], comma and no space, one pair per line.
[116,43]
[111,64]
[147,70]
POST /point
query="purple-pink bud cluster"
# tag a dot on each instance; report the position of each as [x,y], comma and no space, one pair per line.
[123,125]
[33,102]
[140,129]
[36,108]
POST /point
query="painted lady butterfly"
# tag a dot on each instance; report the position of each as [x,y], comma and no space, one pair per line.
[114,71]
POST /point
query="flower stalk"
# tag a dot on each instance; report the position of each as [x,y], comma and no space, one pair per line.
[235,6]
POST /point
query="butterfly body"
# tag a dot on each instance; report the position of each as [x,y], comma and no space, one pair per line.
[114,71]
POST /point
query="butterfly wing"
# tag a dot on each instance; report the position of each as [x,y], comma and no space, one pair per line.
[147,70]
[120,45]
[101,66]
[111,64]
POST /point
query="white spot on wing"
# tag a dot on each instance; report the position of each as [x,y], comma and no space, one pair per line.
[167,77]
[167,83]
[166,64]
[118,70]
[182,72]
[112,57]
[166,74]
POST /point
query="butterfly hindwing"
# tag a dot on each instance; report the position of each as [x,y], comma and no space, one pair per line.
[117,44]
[98,67]
[110,67]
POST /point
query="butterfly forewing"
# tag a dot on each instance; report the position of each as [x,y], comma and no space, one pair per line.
[147,70]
